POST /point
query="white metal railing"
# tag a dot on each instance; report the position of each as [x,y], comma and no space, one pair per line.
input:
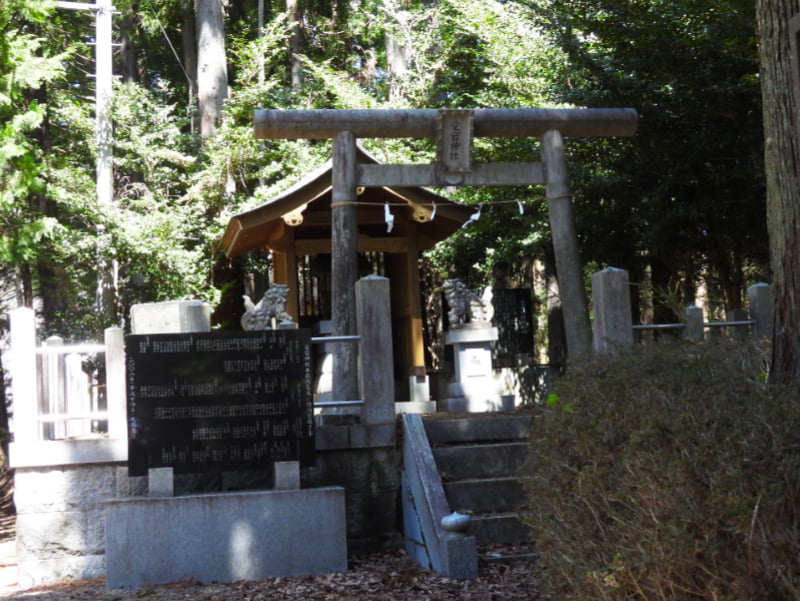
[56,396]
[72,401]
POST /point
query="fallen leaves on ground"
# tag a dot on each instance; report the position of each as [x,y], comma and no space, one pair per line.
[389,576]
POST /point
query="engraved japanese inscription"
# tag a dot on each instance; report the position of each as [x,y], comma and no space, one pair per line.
[219,401]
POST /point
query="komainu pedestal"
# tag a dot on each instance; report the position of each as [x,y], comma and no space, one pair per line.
[474,388]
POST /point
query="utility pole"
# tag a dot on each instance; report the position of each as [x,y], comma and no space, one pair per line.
[104,175]
[260,35]
[103,10]
[103,90]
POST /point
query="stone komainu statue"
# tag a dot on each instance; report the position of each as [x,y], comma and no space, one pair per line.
[271,306]
[465,305]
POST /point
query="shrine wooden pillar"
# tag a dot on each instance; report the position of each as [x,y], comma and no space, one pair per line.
[403,270]
[413,296]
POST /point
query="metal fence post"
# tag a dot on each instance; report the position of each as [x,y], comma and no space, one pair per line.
[53,399]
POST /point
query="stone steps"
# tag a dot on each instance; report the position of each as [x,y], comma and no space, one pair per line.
[497,529]
[477,427]
[484,494]
[480,460]
[479,457]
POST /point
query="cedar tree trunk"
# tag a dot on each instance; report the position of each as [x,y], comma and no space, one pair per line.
[782,164]
[212,72]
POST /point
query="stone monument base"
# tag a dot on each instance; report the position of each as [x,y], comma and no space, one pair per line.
[418,392]
[474,388]
[225,537]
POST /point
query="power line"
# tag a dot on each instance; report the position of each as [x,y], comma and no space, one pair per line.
[169,43]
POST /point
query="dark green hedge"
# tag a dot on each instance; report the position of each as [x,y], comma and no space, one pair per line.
[669,473]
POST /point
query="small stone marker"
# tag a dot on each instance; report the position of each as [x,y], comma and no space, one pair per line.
[161,482]
[287,475]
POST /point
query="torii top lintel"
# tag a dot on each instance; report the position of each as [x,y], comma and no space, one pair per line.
[320,124]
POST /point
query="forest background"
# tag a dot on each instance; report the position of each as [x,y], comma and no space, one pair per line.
[681,205]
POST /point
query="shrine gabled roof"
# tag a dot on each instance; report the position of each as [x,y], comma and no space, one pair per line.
[301,216]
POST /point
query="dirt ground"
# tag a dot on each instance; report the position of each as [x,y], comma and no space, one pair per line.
[382,577]
[385,576]
[388,576]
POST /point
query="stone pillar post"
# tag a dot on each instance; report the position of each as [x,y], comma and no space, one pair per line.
[114,339]
[24,376]
[695,323]
[613,323]
[761,298]
[376,362]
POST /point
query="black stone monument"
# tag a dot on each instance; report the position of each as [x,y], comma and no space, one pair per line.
[219,401]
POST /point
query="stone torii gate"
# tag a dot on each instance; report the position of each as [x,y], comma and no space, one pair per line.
[454,131]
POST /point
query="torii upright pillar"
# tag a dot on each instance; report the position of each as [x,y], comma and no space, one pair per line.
[454,131]
[344,268]
[565,246]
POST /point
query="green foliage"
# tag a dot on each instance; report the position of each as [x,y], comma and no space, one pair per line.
[496,56]
[480,54]
[25,65]
[669,473]
[500,237]
[158,234]
[686,193]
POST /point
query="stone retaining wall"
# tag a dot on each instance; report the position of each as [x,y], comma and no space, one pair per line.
[60,518]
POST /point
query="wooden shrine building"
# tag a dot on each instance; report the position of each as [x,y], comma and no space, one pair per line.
[296,227]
